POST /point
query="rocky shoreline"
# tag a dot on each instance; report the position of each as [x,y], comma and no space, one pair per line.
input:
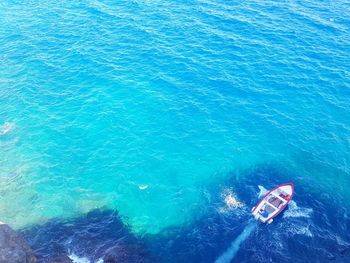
[13,247]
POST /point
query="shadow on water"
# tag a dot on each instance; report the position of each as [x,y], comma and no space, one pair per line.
[312,229]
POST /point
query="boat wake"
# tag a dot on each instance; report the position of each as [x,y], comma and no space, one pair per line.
[295,211]
[303,230]
[231,252]
[262,191]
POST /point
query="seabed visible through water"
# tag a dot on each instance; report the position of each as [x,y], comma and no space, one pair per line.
[143,131]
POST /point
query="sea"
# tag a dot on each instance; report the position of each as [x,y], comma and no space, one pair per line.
[145,131]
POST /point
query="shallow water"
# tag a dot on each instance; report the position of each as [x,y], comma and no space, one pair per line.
[156,110]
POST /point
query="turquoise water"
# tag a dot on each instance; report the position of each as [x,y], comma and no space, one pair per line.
[148,107]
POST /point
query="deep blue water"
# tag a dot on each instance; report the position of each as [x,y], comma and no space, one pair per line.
[128,128]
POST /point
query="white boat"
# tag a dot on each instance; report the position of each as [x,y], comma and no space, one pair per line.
[273,203]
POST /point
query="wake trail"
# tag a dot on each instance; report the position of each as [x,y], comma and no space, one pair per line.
[231,252]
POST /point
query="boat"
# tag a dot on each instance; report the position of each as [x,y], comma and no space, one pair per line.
[273,203]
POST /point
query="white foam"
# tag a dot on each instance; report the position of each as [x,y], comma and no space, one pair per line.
[6,128]
[262,191]
[300,230]
[305,231]
[340,241]
[77,259]
[295,211]
[231,201]
[143,186]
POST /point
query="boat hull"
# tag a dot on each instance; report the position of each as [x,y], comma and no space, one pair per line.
[273,202]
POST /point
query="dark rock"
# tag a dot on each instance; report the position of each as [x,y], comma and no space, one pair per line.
[127,253]
[13,248]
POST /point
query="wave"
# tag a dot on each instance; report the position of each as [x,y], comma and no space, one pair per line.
[6,128]
[295,211]
[262,191]
[77,259]
[230,253]
[299,230]
[298,227]
[143,186]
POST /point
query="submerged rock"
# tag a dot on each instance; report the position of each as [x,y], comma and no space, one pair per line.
[98,236]
[61,259]
[13,248]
